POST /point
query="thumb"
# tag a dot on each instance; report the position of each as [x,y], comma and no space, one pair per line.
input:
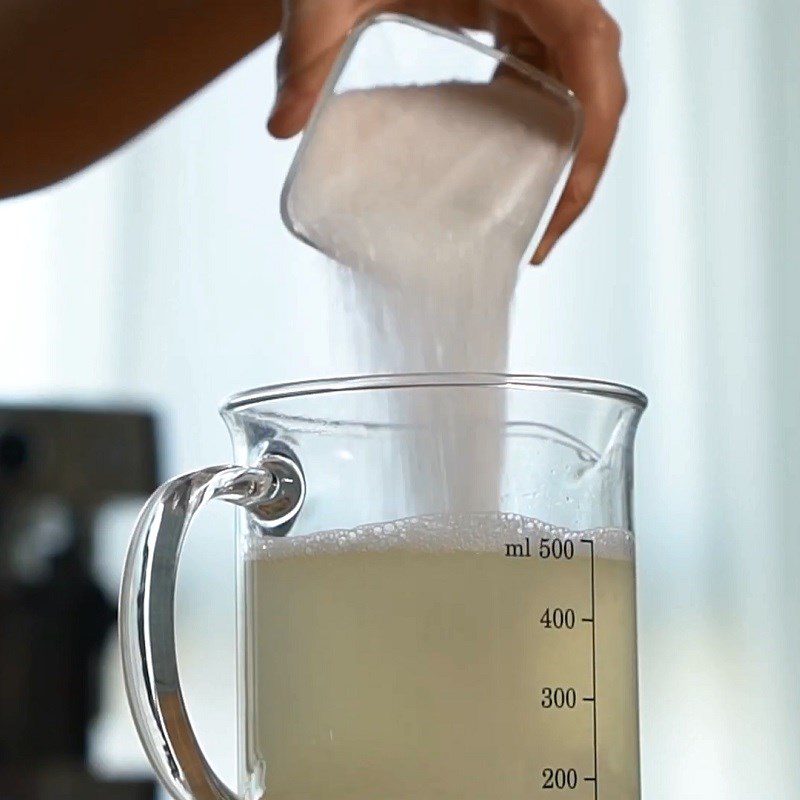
[313,33]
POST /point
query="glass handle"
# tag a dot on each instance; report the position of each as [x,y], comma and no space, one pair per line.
[273,493]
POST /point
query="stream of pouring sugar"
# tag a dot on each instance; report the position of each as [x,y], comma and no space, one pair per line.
[429,196]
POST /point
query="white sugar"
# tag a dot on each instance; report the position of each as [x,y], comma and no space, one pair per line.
[430,196]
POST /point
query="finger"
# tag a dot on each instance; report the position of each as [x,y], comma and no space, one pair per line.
[578,191]
[603,101]
[584,41]
[454,14]
[313,33]
[512,36]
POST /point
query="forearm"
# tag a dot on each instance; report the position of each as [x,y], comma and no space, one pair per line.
[78,78]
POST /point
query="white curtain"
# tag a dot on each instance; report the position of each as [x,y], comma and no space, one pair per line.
[164,276]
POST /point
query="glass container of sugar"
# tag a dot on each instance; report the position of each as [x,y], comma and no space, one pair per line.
[429,144]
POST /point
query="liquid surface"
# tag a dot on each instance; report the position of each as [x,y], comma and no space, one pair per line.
[434,659]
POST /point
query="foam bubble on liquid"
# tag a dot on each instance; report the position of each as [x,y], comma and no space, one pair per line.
[472,533]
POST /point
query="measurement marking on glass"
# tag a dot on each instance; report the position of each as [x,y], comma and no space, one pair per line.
[555,698]
[593,778]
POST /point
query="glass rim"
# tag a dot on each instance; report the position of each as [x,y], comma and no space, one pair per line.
[464,37]
[420,380]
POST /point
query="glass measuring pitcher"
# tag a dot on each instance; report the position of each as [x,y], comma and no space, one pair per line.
[417,618]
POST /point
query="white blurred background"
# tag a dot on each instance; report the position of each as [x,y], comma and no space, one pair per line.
[164,276]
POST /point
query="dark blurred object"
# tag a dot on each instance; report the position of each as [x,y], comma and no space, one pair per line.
[69,782]
[57,468]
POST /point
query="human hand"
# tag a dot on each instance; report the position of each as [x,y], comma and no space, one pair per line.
[576,41]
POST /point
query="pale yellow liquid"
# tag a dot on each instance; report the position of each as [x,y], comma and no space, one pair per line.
[411,665]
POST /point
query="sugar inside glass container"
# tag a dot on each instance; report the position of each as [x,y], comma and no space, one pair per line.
[428,144]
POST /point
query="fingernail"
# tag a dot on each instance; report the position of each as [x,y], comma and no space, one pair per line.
[277,115]
[541,252]
[276,106]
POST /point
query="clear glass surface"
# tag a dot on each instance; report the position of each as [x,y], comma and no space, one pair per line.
[567,444]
